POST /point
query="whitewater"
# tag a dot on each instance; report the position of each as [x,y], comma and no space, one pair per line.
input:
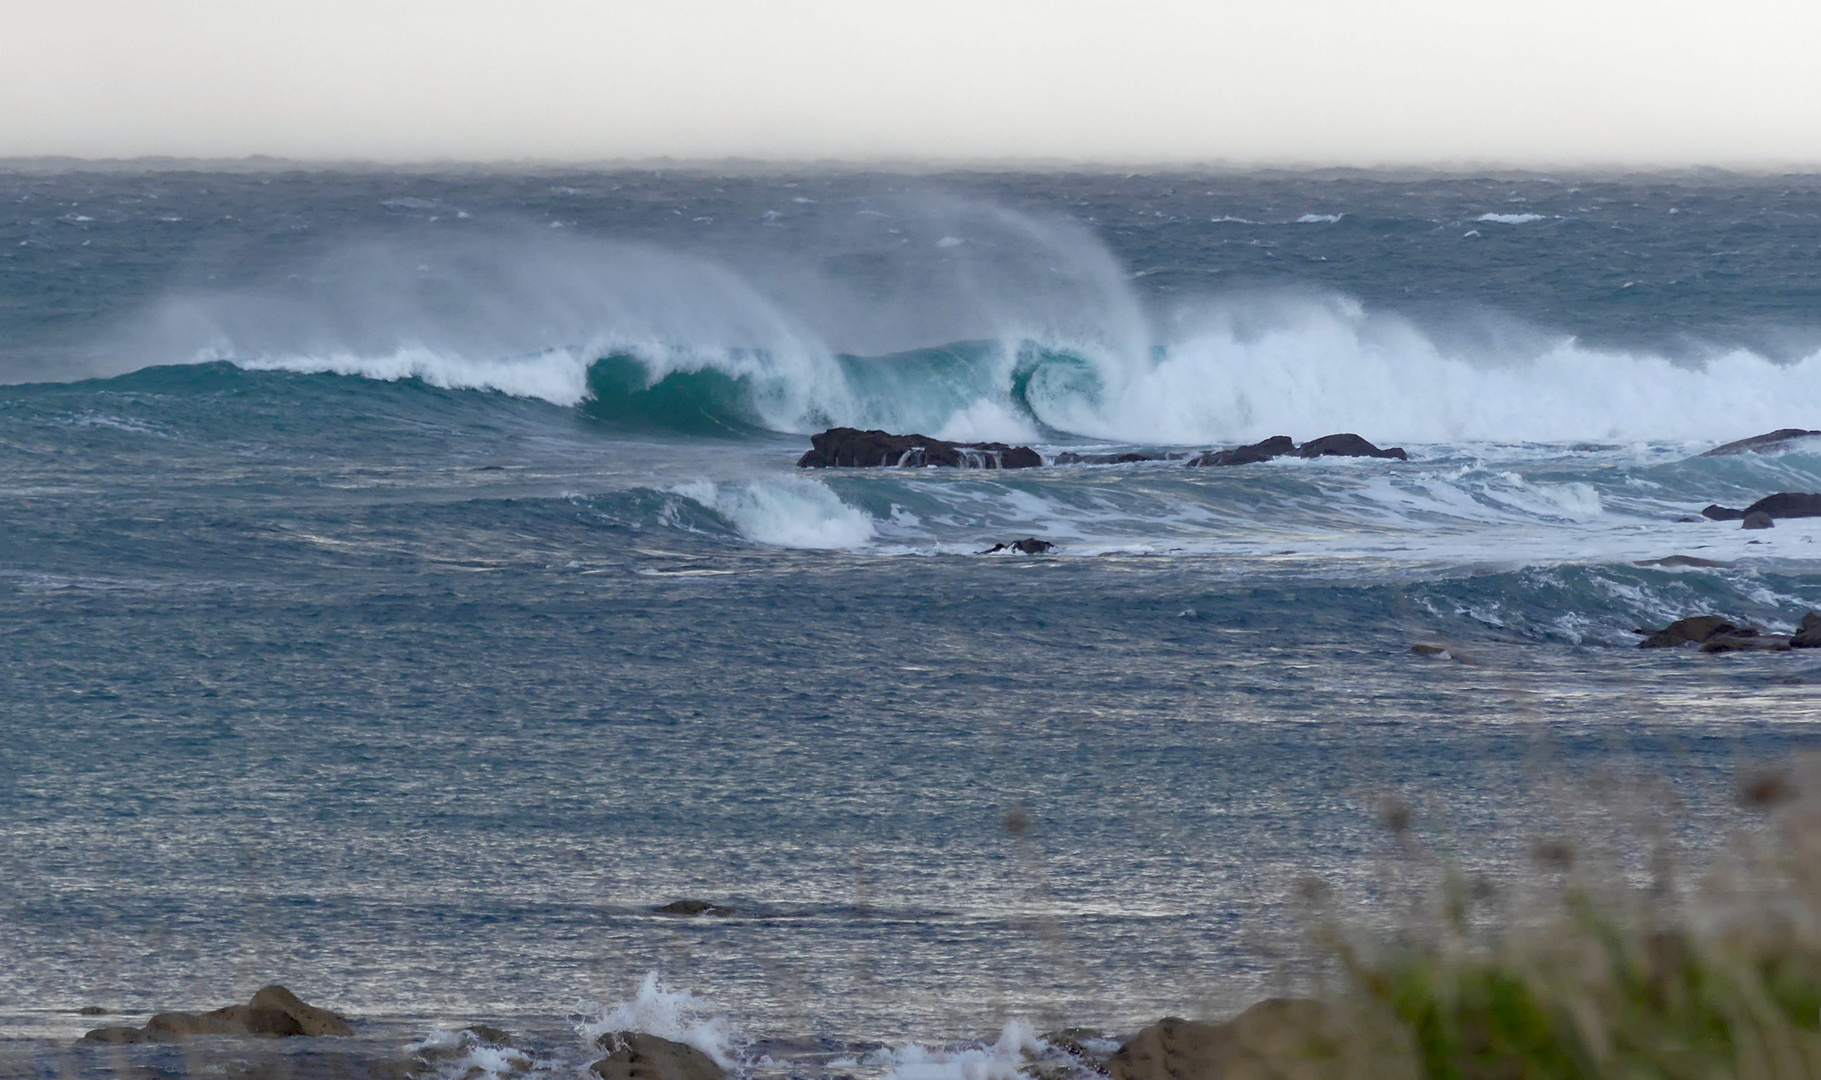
[409,588]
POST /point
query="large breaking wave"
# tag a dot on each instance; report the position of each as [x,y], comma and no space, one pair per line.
[1022,328]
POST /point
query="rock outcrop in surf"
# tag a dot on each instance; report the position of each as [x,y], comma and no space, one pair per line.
[1768,442]
[273,1012]
[1345,444]
[1715,634]
[1283,1038]
[845,447]
[634,1055]
[1030,545]
[1784,504]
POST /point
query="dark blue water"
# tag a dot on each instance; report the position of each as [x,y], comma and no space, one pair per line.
[406,584]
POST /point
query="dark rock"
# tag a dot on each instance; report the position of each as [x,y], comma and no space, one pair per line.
[1030,545]
[1758,444]
[1694,629]
[1279,1039]
[1784,504]
[1758,519]
[310,1019]
[1273,447]
[1808,634]
[1072,458]
[117,1034]
[1429,650]
[274,1012]
[1746,641]
[693,907]
[490,1035]
[846,447]
[91,1010]
[1347,445]
[1683,560]
[634,1055]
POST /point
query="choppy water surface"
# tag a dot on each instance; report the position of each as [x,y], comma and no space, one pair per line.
[406,584]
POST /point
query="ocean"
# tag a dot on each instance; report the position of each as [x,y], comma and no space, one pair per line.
[407,586]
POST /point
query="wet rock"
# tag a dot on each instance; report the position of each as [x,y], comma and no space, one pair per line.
[1808,633]
[1695,629]
[845,447]
[1279,1039]
[1757,519]
[634,1055]
[1348,445]
[693,907]
[1784,504]
[1750,641]
[1273,447]
[274,1012]
[310,1019]
[91,1010]
[116,1034]
[1069,457]
[1759,444]
[1030,545]
[1421,649]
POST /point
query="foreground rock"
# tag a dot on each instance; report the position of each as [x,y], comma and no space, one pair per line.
[1030,545]
[845,447]
[1279,1039]
[1342,445]
[1784,504]
[634,1055]
[1717,635]
[274,1012]
[1761,444]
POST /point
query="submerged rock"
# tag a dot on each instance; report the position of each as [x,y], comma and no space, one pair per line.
[274,1012]
[1273,447]
[1784,504]
[845,447]
[1280,1039]
[634,1055]
[1694,629]
[1343,445]
[1758,444]
[1348,445]
[1069,457]
[1682,560]
[693,907]
[1030,545]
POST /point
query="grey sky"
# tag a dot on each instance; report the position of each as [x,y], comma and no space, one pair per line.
[1293,81]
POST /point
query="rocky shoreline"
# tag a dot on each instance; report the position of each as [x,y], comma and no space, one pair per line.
[1291,1038]
[846,447]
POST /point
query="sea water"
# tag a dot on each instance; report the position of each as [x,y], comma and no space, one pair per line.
[406,586]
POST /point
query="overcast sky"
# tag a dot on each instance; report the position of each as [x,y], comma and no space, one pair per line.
[1539,82]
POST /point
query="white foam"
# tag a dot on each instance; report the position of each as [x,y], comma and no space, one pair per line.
[1242,371]
[1510,219]
[999,1061]
[1313,219]
[461,1055]
[785,511]
[558,376]
[987,420]
[676,1015]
